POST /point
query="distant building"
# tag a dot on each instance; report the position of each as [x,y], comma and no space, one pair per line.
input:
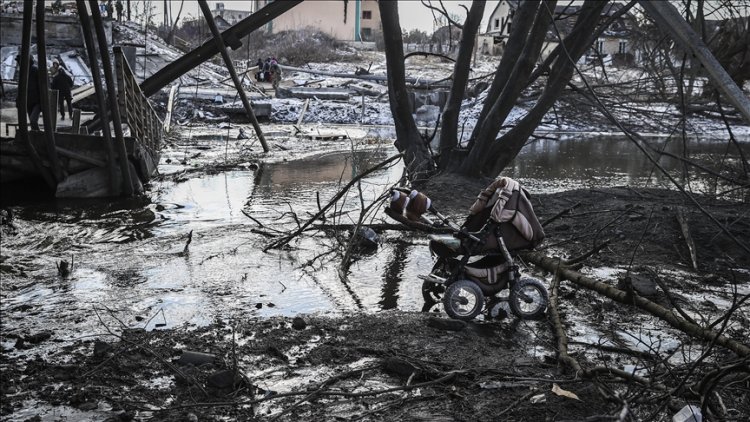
[345,20]
[231,16]
[614,42]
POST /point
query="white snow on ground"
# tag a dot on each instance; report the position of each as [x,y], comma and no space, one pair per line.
[643,116]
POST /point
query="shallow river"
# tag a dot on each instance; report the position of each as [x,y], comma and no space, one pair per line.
[130,260]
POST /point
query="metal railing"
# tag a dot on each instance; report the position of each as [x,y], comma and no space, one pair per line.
[135,109]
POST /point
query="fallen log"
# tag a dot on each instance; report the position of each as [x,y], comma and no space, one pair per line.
[552,265]
[559,330]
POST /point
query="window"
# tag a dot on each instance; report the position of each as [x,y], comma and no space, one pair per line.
[600,46]
[497,23]
[366,34]
[367,14]
[623,47]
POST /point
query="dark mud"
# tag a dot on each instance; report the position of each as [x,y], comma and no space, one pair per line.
[335,364]
[411,366]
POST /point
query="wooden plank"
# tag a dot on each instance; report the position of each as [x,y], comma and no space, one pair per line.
[76,124]
[682,219]
[302,113]
[170,103]
[53,95]
[74,155]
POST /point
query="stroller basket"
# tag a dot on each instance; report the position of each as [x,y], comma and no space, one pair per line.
[487,270]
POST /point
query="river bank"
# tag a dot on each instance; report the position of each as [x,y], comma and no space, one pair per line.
[393,364]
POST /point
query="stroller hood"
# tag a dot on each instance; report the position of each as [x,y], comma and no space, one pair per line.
[509,205]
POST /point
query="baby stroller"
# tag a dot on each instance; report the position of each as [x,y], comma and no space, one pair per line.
[475,262]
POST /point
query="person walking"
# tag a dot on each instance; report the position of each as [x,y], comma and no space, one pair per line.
[275,73]
[118,9]
[63,83]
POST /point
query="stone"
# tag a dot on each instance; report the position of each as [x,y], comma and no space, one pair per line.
[298,323]
[367,238]
[644,286]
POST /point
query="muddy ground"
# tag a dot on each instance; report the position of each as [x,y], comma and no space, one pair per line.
[422,366]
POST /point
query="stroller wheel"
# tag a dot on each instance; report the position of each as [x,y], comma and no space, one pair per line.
[529,299]
[463,300]
[432,293]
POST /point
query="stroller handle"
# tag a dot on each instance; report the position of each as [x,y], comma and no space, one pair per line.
[450,224]
[413,204]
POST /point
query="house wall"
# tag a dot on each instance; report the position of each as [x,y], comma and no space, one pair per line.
[498,22]
[233,16]
[329,16]
[374,24]
[612,46]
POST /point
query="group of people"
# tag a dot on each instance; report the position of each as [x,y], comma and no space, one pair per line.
[61,81]
[268,71]
[107,9]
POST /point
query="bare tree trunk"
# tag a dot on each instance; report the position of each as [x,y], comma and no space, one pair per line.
[516,40]
[449,131]
[408,141]
[490,126]
[505,149]
[170,35]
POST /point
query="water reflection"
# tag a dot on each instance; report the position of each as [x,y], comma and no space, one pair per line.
[585,161]
[392,277]
[129,254]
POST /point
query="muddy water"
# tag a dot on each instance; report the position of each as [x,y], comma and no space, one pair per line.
[580,161]
[131,266]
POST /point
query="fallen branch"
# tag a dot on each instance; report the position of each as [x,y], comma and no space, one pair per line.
[582,257]
[560,214]
[676,321]
[559,330]
[286,239]
[369,393]
[350,227]
[322,386]
[682,219]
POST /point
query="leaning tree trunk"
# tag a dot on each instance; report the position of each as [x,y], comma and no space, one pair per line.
[418,161]
[514,85]
[449,131]
[505,149]
[522,23]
